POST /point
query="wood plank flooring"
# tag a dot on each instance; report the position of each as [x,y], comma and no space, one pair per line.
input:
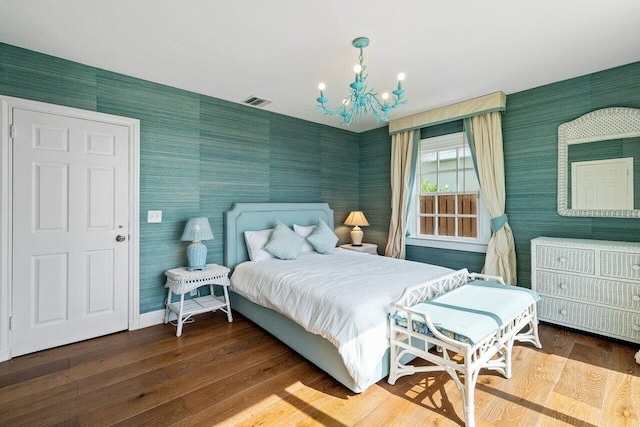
[236,374]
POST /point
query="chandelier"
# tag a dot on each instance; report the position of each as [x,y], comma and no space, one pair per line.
[362,101]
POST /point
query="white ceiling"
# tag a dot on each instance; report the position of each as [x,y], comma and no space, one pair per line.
[281,49]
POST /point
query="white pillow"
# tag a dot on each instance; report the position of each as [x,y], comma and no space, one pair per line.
[255,241]
[304,231]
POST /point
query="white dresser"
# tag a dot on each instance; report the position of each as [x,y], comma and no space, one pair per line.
[591,285]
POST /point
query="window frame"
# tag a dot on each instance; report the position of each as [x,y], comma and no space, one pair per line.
[478,244]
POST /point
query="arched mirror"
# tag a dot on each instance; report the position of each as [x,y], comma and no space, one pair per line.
[599,164]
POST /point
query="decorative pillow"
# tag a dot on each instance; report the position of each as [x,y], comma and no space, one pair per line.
[322,238]
[255,241]
[284,243]
[304,231]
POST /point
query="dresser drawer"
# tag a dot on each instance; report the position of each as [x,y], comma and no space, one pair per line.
[587,289]
[566,259]
[620,264]
[614,323]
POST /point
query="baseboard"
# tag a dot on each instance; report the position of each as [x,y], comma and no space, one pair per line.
[151,318]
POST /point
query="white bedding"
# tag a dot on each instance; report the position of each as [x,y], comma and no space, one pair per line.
[344,297]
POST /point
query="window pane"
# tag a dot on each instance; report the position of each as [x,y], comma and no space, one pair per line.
[468,181]
[427,205]
[468,227]
[429,162]
[448,159]
[447,181]
[464,158]
[427,224]
[429,183]
[446,205]
[468,204]
[446,226]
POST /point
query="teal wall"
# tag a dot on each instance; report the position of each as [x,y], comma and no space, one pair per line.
[375,187]
[198,154]
[530,133]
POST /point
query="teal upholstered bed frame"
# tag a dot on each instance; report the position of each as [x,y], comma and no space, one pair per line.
[259,216]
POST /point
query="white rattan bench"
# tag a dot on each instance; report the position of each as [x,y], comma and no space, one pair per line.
[472,315]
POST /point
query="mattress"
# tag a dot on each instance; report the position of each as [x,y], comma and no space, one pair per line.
[344,297]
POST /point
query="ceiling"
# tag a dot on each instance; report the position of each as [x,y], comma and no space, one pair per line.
[281,49]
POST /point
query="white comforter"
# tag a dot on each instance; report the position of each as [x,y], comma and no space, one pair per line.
[344,297]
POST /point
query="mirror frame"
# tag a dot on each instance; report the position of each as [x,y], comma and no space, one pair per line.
[599,125]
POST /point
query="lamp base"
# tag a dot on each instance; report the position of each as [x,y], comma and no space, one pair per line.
[197,256]
[356,236]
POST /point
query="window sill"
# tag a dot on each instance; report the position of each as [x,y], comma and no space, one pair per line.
[447,244]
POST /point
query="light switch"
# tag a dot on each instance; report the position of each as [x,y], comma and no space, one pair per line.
[154,216]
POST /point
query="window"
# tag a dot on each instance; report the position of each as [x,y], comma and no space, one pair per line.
[448,210]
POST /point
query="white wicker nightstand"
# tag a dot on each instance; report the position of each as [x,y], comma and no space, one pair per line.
[367,248]
[180,281]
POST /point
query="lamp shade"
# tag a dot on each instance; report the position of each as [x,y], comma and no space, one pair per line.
[197,229]
[356,218]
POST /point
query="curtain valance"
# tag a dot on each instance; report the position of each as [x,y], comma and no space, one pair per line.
[496,101]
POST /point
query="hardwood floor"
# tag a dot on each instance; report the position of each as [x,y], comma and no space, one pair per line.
[237,374]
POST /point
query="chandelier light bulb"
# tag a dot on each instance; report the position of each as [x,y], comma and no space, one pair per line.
[321,86]
[345,101]
[357,68]
[401,76]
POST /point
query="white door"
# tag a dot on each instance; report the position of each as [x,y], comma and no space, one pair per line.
[70,230]
[602,184]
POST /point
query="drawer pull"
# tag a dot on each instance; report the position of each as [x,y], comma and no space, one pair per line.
[562,260]
[635,267]
[636,297]
[635,328]
[563,311]
[563,286]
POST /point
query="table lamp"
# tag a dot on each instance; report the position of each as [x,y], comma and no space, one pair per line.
[357,219]
[196,230]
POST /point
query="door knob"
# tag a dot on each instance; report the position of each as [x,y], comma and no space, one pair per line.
[120,238]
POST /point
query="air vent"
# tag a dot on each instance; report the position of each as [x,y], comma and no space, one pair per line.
[256,102]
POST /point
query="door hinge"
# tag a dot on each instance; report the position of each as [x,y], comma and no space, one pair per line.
[12,131]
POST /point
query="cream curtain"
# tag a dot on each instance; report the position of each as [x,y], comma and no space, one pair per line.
[402,149]
[486,130]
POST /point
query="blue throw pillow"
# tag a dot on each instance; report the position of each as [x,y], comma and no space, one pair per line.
[284,243]
[322,238]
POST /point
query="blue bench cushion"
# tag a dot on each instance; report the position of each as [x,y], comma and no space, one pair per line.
[472,311]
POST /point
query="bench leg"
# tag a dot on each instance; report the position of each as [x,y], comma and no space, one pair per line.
[393,354]
[470,380]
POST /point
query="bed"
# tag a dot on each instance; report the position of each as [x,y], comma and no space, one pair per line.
[320,350]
